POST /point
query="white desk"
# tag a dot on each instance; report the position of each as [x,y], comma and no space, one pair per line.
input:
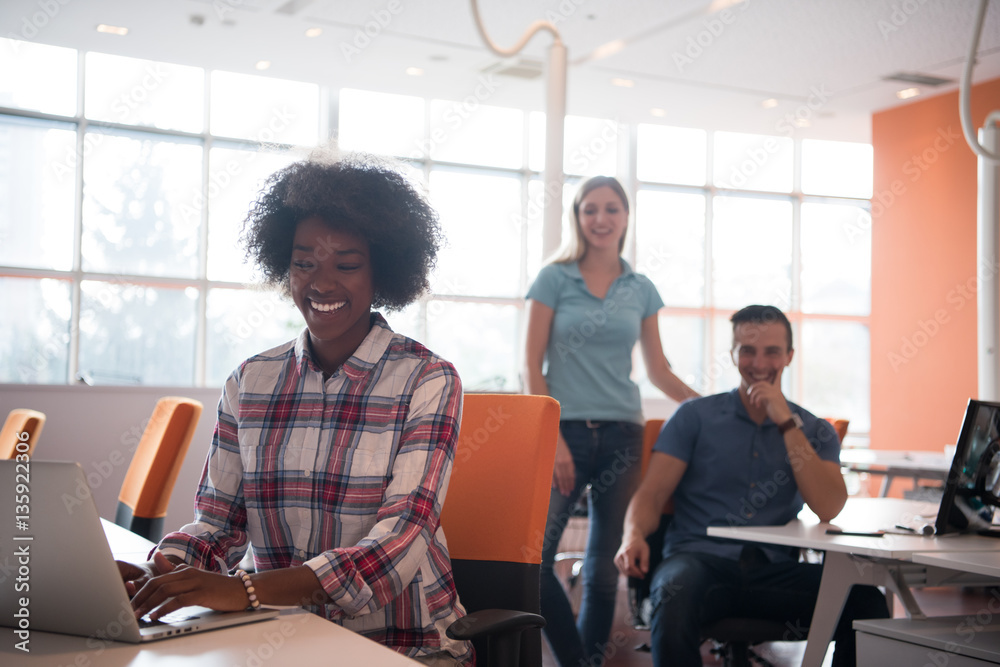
[294,638]
[878,561]
[125,544]
[896,463]
[986,563]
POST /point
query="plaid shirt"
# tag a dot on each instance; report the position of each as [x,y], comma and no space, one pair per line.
[345,476]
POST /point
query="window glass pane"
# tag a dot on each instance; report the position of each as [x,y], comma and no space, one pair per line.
[382,123]
[480,339]
[235,179]
[836,259]
[242,323]
[671,154]
[481,255]
[837,168]
[140,207]
[753,162]
[751,252]
[25,64]
[683,339]
[590,145]
[836,363]
[37,186]
[722,374]
[131,334]
[144,92]
[407,322]
[263,109]
[34,330]
[670,245]
[474,133]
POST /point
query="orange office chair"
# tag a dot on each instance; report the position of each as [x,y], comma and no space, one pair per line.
[840,426]
[20,421]
[145,493]
[494,520]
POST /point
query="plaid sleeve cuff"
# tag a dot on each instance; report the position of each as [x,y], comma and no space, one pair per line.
[192,550]
[342,582]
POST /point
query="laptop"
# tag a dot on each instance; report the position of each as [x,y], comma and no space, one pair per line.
[57,573]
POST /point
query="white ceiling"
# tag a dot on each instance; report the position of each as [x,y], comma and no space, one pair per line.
[824,60]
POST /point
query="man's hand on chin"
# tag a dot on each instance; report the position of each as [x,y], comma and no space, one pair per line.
[768,395]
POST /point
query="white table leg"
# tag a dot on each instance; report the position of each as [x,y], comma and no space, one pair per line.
[839,574]
[841,571]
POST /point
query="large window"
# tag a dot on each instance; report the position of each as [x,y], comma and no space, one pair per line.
[778,222]
[119,220]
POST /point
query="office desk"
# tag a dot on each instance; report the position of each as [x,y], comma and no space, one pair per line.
[895,463]
[125,544]
[986,563]
[878,561]
[296,637]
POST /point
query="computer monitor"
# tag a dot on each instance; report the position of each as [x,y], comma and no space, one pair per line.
[972,490]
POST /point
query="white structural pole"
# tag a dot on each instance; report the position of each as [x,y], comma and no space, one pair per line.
[555,115]
[988,262]
[555,112]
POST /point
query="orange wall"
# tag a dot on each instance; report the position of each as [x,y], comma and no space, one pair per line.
[923,322]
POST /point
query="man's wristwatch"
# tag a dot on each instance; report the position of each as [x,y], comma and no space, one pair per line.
[793,422]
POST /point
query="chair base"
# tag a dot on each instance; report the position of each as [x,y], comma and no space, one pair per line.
[734,637]
[739,654]
[733,640]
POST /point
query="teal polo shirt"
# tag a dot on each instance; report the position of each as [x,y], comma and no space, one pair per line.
[588,360]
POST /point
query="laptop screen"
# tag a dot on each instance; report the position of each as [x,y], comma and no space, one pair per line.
[970,493]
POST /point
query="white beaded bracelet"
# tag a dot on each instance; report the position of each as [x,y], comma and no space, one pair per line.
[251,592]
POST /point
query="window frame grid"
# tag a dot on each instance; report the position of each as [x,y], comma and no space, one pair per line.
[426,165]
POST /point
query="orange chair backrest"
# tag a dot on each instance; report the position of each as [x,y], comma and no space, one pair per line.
[498,496]
[649,436]
[159,456]
[840,426]
[20,421]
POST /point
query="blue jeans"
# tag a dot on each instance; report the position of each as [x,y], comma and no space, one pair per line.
[607,456]
[691,590]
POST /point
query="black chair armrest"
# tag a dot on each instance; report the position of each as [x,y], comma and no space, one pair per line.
[502,630]
[493,622]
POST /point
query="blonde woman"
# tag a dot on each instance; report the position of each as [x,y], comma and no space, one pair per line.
[586,310]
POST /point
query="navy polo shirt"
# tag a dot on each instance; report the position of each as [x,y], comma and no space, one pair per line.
[738,473]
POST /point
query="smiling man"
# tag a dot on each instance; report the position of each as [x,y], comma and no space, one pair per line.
[745,457]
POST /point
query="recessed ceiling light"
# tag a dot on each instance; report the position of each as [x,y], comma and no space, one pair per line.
[112,29]
[314,32]
[769,103]
[623,83]
[658,112]
[263,64]
[415,71]
[719,5]
[907,93]
[609,49]
[802,122]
